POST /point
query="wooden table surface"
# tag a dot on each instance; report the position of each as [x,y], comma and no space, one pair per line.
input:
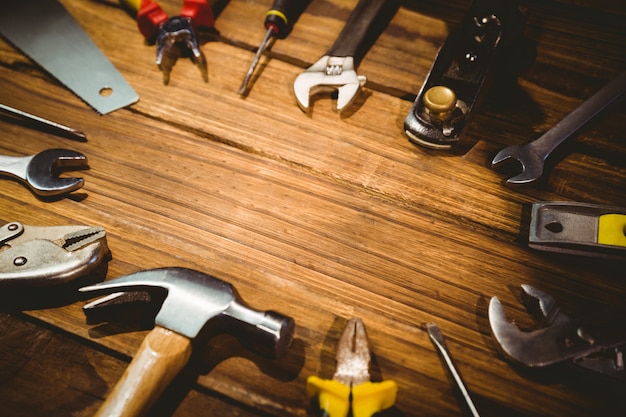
[321,216]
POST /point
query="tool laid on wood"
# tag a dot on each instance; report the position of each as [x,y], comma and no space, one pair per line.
[62,129]
[440,344]
[48,34]
[461,71]
[52,255]
[579,229]
[336,69]
[351,388]
[40,171]
[174,36]
[195,303]
[533,155]
[278,21]
[595,342]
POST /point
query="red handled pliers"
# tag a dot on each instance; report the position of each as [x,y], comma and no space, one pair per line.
[176,36]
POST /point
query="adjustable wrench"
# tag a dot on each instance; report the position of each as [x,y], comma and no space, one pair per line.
[39,171]
[336,69]
[595,342]
[533,155]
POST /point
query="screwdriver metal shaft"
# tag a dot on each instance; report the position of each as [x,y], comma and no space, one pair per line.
[438,341]
[49,123]
[255,61]
[277,22]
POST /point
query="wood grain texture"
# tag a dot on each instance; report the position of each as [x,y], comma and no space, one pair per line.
[161,356]
[320,216]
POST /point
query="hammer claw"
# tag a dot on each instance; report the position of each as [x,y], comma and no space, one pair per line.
[193,301]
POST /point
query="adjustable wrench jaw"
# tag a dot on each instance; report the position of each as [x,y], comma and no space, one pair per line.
[329,72]
[595,342]
[33,256]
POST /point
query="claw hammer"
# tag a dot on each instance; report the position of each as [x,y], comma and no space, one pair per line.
[195,302]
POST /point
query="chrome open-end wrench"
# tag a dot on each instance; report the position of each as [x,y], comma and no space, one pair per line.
[39,171]
[336,69]
[533,155]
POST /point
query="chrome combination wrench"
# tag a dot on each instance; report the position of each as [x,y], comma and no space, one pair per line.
[533,155]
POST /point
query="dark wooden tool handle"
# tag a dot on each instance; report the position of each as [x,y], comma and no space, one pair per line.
[160,358]
[360,22]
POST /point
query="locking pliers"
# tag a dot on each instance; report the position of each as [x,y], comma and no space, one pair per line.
[595,342]
[44,256]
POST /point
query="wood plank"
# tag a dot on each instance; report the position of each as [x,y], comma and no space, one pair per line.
[325,216]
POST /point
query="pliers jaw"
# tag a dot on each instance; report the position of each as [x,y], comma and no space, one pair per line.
[32,256]
[350,392]
[176,36]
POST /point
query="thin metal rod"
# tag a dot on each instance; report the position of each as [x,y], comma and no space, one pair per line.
[440,345]
[57,126]
[255,61]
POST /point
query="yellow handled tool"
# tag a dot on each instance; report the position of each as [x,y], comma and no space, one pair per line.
[351,388]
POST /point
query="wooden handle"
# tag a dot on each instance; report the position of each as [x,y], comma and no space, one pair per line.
[162,355]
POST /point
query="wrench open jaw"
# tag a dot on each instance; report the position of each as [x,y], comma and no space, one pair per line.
[336,69]
[332,72]
[594,342]
[40,171]
[531,162]
[533,155]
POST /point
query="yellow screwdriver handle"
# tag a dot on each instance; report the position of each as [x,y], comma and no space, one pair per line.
[134,5]
[612,229]
[370,398]
[333,396]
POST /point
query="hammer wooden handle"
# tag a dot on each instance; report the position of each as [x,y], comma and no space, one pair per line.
[163,353]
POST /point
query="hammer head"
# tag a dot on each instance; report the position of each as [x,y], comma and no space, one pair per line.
[194,300]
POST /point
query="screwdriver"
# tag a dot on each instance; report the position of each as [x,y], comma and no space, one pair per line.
[277,24]
[75,134]
[440,344]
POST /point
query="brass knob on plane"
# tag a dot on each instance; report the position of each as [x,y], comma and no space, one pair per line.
[439,101]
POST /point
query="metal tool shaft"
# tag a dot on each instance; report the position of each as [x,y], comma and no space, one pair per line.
[578,118]
[438,341]
[255,61]
[49,123]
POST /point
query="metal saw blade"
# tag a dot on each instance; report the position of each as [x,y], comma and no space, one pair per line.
[49,35]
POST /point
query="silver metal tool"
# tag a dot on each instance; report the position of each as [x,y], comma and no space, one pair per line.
[40,171]
[350,392]
[463,70]
[175,36]
[49,35]
[595,342]
[336,69]
[579,229]
[440,344]
[174,32]
[533,155]
[52,255]
[194,303]
[44,122]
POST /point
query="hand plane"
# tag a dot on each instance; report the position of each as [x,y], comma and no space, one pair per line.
[463,67]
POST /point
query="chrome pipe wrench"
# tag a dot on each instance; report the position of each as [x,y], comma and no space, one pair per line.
[596,342]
